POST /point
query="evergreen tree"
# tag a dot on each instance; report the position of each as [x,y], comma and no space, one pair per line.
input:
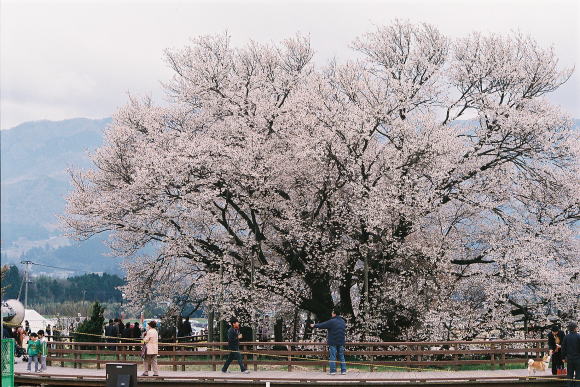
[11,281]
[92,326]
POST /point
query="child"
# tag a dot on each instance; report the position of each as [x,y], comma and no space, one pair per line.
[33,351]
[24,338]
[43,350]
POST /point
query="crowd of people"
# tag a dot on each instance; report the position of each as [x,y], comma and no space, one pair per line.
[564,347]
[31,346]
[116,328]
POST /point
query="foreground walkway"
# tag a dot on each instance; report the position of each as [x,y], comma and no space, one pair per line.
[460,377]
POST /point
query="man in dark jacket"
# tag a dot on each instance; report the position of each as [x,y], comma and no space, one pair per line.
[571,352]
[234,337]
[555,339]
[336,327]
[111,331]
[120,328]
[187,329]
[136,334]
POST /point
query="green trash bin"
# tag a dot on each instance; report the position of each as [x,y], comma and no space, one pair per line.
[7,362]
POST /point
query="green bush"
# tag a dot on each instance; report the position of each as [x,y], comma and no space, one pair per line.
[93,326]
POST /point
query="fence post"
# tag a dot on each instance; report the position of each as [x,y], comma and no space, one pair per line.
[288,349]
[456,357]
[502,364]
[254,356]
[492,351]
[213,366]
[372,357]
[98,349]
[48,362]
[174,350]
[183,358]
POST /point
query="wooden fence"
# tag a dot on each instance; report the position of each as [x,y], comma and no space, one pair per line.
[454,354]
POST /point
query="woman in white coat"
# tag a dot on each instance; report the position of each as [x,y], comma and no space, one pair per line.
[151,340]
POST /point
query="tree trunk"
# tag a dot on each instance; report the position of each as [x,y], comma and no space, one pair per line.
[210,327]
[321,302]
[295,331]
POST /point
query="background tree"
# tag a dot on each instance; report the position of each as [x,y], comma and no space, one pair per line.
[91,329]
[269,182]
[11,282]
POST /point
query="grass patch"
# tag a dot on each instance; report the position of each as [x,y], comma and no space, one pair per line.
[364,365]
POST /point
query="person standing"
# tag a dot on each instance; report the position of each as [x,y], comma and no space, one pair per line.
[264,330]
[25,339]
[111,331]
[571,353]
[33,352]
[43,350]
[19,342]
[336,327]
[120,329]
[555,338]
[234,337]
[151,341]
[127,334]
[136,331]
[180,335]
[187,329]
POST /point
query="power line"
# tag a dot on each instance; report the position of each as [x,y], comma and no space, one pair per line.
[56,267]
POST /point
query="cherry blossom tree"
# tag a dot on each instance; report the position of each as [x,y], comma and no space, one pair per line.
[426,184]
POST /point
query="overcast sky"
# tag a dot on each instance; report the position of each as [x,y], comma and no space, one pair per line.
[62,60]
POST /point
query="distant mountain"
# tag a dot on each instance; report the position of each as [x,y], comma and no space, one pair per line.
[35,157]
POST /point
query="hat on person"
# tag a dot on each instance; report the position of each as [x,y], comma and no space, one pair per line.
[233,320]
[572,326]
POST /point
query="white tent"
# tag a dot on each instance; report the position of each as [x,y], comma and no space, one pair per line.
[36,320]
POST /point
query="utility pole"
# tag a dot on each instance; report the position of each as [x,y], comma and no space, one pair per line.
[84,304]
[26,280]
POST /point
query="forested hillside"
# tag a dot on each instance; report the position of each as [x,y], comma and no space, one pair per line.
[43,289]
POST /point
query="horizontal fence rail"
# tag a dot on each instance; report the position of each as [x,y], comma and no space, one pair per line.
[365,355]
